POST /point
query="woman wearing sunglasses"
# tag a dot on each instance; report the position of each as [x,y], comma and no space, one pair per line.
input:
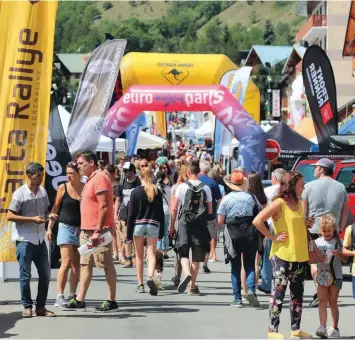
[66,209]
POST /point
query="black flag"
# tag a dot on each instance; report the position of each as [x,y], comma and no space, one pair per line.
[319,82]
[58,155]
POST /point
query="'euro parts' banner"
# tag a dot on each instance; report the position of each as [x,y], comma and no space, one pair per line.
[26,57]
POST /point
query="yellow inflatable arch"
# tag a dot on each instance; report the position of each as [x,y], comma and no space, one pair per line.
[184,69]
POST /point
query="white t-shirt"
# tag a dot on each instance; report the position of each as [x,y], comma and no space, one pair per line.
[271,192]
[181,191]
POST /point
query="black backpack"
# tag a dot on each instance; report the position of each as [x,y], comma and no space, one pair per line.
[194,209]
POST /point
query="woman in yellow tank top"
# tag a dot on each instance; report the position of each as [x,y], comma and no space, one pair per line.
[289,252]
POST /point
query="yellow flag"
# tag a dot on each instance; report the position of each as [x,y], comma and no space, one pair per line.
[160,118]
[26,57]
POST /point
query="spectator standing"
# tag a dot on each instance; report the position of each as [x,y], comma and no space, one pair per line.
[96,219]
[29,210]
[196,203]
[163,185]
[205,168]
[130,182]
[67,206]
[324,196]
[271,192]
[289,252]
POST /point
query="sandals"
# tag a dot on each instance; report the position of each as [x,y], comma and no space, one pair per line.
[45,312]
[27,313]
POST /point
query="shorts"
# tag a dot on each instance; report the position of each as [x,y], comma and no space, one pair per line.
[198,253]
[68,234]
[123,231]
[338,284]
[212,228]
[146,230]
[102,257]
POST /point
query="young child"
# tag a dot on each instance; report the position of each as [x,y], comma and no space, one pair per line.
[349,249]
[329,276]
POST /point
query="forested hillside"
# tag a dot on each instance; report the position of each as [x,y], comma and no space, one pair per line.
[179,27]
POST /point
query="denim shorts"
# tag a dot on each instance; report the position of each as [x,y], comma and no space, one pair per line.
[68,234]
[146,230]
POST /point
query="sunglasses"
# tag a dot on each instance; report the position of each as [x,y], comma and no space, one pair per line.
[73,164]
[144,166]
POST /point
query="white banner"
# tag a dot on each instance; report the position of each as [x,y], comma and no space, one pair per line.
[276,103]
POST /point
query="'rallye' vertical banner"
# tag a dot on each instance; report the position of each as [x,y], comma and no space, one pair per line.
[319,82]
[58,155]
[26,57]
[94,96]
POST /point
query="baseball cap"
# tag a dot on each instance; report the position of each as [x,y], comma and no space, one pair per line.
[129,166]
[325,163]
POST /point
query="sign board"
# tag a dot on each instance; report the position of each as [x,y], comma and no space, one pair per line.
[273,150]
[276,103]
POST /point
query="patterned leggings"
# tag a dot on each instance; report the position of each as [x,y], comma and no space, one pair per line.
[284,272]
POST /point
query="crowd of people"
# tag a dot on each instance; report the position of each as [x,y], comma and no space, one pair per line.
[150,206]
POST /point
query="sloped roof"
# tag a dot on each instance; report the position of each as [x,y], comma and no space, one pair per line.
[271,54]
[296,50]
[74,62]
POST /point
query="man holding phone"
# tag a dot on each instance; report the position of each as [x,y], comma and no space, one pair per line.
[324,196]
[29,210]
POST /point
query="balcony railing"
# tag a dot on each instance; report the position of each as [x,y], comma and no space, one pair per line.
[313,21]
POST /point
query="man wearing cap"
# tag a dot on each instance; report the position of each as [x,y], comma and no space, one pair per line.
[323,196]
[123,195]
[29,210]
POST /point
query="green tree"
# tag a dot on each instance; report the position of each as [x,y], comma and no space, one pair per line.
[254,17]
[107,5]
[269,33]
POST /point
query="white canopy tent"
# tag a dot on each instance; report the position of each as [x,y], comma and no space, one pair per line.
[145,140]
[205,131]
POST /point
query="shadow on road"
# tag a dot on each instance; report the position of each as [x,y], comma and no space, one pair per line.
[92,315]
[8,321]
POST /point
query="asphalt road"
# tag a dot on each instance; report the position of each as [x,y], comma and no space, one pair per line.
[168,316]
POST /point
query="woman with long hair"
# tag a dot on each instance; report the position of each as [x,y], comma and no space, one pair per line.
[164,186]
[182,177]
[145,222]
[289,252]
[110,171]
[67,207]
[169,178]
[256,189]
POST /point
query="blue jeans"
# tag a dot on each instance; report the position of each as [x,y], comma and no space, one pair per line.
[249,266]
[266,270]
[163,244]
[26,253]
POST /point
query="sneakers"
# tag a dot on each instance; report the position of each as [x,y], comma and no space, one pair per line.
[237,303]
[333,333]
[245,299]
[152,287]
[253,300]
[176,281]
[128,264]
[194,291]
[106,307]
[275,335]
[206,270]
[300,335]
[183,284]
[315,301]
[61,302]
[140,289]
[71,297]
[322,332]
[77,305]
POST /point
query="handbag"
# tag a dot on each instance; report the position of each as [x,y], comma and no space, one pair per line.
[325,276]
[314,254]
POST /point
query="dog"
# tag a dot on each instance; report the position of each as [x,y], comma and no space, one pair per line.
[159,268]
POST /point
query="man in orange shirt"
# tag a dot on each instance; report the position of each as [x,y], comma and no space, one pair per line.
[96,219]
